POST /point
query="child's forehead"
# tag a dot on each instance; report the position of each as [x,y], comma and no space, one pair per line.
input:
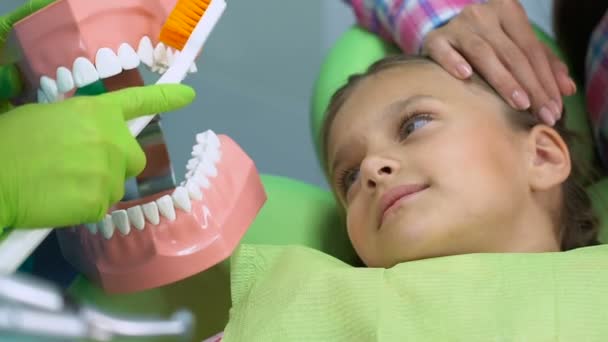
[390,89]
[401,88]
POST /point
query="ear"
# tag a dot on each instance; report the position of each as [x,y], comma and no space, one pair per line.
[550,163]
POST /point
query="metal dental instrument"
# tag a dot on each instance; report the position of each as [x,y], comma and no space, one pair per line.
[32,308]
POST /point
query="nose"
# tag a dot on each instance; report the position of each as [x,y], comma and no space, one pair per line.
[375,170]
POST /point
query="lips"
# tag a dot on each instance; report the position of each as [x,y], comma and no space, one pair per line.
[394,195]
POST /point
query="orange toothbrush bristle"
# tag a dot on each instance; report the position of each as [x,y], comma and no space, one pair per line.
[181,22]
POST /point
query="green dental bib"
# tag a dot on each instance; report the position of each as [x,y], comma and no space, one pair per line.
[291,293]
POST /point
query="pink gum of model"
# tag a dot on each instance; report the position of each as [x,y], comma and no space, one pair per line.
[67,29]
[173,250]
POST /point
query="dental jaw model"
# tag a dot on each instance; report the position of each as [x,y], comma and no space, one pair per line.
[171,235]
[170,232]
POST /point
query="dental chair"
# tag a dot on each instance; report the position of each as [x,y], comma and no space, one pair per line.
[297,213]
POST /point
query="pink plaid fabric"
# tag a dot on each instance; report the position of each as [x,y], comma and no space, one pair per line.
[406,22]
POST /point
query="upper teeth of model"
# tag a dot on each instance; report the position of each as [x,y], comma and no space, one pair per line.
[200,170]
[108,63]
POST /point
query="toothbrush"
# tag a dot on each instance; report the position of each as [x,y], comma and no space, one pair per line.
[186,29]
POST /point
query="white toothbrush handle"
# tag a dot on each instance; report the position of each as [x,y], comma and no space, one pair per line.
[178,71]
[18,246]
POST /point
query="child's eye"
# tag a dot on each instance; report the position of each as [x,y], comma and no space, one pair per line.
[347,179]
[412,123]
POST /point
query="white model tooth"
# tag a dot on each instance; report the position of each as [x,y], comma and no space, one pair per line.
[181,199]
[160,55]
[84,72]
[192,163]
[194,191]
[136,216]
[49,87]
[151,212]
[213,154]
[107,63]
[212,139]
[166,208]
[128,57]
[145,51]
[65,81]
[201,138]
[201,179]
[190,173]
[176,54]
[91,227]
[207,167]
[193,69]
[159,69]
[170,57]
[197,151]
[41,97]
[121,221]
[107,227]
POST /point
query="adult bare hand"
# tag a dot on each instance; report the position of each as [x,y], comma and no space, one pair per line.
[498,41]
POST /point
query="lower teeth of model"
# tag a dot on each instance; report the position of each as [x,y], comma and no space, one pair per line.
[200,170]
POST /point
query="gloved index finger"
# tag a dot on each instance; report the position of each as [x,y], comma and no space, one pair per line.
[147,100]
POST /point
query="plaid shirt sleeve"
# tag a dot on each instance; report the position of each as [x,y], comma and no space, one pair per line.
[596,87]
[406,22]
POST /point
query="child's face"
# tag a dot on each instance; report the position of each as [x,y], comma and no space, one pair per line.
[415,129]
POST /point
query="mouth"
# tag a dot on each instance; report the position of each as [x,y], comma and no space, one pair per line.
[168,232]
[73,44]
[394,197]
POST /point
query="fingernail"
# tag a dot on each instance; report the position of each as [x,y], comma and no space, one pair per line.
[464,70]
[521,100]
[560,107]
[554,107]
[573,86]
[546,115]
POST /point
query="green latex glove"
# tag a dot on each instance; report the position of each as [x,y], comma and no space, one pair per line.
[10,80]
[66,163]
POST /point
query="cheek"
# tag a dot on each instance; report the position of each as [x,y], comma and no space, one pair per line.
[483,167]
[477,155]
[358,227]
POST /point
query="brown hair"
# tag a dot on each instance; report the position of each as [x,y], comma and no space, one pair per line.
[573,23]
[578,223]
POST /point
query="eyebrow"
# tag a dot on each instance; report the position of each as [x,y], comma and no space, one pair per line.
[391,110]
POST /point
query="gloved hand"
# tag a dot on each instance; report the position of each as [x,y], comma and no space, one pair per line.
[65,163]
[10,81]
